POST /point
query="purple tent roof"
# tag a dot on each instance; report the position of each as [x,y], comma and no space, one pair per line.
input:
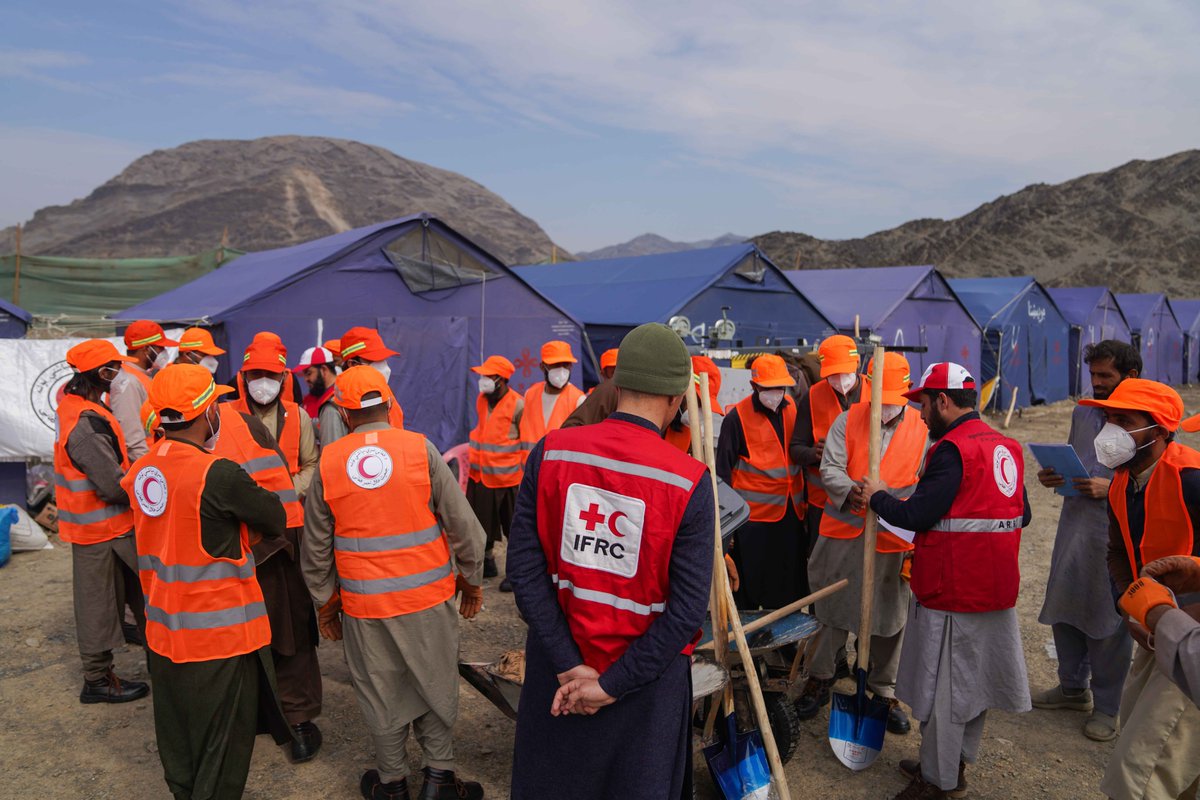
[874,295]
[1188,314]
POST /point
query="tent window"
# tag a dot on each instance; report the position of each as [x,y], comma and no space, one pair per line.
[751,268]
[427,261]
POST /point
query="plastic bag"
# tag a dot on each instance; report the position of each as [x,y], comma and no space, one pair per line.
[8,515]
[26,535]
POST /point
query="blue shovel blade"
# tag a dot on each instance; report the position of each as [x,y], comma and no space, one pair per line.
[738,765]
[857,725]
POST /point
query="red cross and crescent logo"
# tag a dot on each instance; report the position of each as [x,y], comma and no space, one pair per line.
[602,530]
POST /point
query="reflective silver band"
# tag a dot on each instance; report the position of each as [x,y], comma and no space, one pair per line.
[183,573]
[978,525]
[380,544]
[604,598]
[764,499]
[76,485]
[88,517]
[386,585]
[777,474]
[515,447]
[261,463]
[623,467]
[206,620]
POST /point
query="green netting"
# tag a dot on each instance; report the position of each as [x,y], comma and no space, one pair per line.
[51,286]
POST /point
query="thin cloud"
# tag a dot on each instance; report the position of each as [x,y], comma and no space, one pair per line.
[36,66]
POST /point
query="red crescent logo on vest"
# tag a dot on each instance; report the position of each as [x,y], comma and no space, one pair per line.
[150,491]
[1004,469]
[369,467]
[612,523]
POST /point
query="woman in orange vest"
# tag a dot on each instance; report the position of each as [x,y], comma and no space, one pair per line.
[94,518]
[384,514]
[771,550]
[494,456]
[207,631]
[838,552]
[548,403]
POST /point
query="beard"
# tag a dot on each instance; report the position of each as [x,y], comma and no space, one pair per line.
[318,387]
[937,424]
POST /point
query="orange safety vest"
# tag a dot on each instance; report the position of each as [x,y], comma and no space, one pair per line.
[823,408]
[898,469]
[533,425]
[1168,527]
[198,608]
[495,459]
[767,478]
[83,518]
[391,554]
[139,373]
[263,464]
[289,438]
[681,439]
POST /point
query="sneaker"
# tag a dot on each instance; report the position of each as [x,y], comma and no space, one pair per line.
[816,695]
[1100,727]
[911,769]
[1058,697]
[111,689]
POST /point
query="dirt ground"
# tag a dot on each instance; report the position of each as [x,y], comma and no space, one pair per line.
[53,746]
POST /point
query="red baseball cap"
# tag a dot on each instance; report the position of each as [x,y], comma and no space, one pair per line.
[144,333]
[314,357]
[941,376]
[365,343]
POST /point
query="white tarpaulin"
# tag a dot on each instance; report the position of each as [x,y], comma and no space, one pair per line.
[38,371]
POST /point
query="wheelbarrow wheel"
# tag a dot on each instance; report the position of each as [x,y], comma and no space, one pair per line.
[785,724]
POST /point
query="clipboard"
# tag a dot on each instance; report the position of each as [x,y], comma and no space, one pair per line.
[1063,459]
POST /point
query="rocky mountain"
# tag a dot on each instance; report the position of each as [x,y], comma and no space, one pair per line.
[270,192]
[651,243]
[1135,228]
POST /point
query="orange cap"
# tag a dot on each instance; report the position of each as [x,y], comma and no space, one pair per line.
[149,418]
[709,367]
[334,346]
[94,353]
[1161,402]
[351,385]
[198,340]
[607,359]
[1191,424]
[496,365]
[185,389]
[770,371]
[144,333]
[365,343]
[897,379]
[838,354]
[556,352]
[264,355]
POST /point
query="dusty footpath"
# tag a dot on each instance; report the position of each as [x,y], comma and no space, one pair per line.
[52,746]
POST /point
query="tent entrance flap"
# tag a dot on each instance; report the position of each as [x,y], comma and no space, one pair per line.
[426,261]
[433,354]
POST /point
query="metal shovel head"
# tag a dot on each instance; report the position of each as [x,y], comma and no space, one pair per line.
[857,724]
[738,763]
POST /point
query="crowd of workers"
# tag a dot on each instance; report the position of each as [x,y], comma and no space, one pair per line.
[228,537]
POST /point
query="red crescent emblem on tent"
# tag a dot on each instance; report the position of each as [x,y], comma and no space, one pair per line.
[612,523]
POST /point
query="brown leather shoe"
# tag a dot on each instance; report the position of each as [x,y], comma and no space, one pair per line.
[111,689]
[443,784]
[372,789]
[911,769]
[918,789]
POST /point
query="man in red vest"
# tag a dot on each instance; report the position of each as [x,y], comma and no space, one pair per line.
[146,345]
[962,651]
[381,520]
[839,554]
[272,439]
[771,550]
[206,625]
[1154,507]
[495,456]
[94,518]
[611,561]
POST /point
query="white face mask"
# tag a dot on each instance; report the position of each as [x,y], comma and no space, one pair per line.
[559,376]
[214,434]
[209,363]
[1115,446]
[891,412]
[384,369]
[486,386]
[771,398]
[843,382]
[162,359]
[264,390]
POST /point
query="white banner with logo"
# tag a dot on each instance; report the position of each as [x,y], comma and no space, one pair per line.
[37,372]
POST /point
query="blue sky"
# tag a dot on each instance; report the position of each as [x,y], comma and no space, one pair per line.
[604,120]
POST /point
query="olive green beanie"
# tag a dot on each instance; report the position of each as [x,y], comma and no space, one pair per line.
[653,359]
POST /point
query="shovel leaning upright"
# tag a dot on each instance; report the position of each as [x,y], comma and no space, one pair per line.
[857,723]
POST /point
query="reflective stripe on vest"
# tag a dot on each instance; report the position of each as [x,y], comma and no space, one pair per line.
[493,458]
[262,464]
[615,465]
[391,554]
[824,407]
[604,598]
[765,477]
[898,468]
[1167,530]
[979,525]
[198,608]
[84,518]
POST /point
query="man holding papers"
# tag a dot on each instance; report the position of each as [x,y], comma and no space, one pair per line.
[1093,644]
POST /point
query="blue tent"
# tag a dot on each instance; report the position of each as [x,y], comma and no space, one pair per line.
[14,320]
[911,306]
[696,288]
[1093,314]
[1156,334]
[441,301]
[1025,338]
[1187,312]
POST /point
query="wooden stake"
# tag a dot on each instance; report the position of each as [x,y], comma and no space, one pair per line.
[1012,405]
[856,333]
[739,635]
[17,271]
[871,526]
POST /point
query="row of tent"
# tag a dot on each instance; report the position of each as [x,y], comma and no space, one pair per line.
[443,302]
